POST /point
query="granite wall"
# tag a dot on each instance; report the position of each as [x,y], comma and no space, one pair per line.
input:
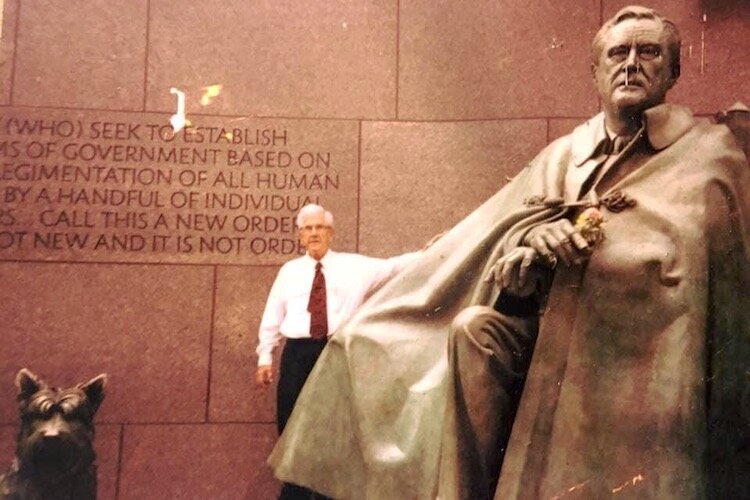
[128,249]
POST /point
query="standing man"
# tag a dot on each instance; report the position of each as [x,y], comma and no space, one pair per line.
[311,297]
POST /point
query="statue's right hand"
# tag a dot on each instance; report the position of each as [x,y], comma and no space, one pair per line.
[558,240]
[264,375]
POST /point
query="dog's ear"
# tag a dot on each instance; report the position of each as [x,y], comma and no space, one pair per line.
[27,383]
[94,390]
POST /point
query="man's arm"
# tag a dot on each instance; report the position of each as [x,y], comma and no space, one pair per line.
[390,267]
[385,269]
[269,333]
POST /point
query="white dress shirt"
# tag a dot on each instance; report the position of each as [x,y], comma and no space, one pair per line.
[349,278]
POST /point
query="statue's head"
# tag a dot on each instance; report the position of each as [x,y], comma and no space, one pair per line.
[635,60]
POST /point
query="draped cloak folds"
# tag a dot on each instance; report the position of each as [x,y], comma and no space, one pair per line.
[639,380]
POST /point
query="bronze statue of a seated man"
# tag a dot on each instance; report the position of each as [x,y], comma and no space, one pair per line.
[632,235]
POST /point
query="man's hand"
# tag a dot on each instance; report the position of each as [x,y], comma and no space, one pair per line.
[433,240]
[559,240]
[264,375]
[511,272]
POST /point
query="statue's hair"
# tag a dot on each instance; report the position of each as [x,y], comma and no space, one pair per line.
[313,209]
[674,41]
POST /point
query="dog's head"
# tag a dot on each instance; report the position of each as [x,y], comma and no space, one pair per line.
[57,426]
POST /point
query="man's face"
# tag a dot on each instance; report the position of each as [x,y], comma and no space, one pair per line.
[633,71]
[315,235]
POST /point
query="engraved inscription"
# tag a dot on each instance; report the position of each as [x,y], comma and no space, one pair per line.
[78,186]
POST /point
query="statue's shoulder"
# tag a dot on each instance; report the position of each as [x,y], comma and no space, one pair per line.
[578,142]
[669,123]
[737,119]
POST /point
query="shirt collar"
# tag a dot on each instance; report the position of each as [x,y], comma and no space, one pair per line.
[325,260]
[664,124]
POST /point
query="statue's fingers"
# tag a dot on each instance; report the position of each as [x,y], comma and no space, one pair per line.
[562,232]
[539,244]
[509,266]
[565,226]
[497,271]
[523,270]
[557,247]
[580,242]
[490,276]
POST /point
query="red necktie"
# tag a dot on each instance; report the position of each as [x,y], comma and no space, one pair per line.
[317,305]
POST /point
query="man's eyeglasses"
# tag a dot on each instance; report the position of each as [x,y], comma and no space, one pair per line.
[644,52]
[317,227]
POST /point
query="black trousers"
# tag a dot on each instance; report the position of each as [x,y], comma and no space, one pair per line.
[297,361]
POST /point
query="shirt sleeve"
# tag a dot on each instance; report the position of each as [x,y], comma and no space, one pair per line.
[269,333]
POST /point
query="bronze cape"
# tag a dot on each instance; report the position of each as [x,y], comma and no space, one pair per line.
[639,381]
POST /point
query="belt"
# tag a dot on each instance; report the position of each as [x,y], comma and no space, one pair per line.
[306,340]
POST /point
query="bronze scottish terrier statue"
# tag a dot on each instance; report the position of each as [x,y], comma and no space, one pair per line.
[55,457]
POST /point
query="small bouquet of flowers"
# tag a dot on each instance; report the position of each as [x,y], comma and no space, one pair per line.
[589,223]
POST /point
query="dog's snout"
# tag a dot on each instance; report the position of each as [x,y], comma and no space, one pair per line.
[51,433]
[54,428]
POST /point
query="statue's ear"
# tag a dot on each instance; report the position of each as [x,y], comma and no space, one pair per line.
[27,383]
[94,390]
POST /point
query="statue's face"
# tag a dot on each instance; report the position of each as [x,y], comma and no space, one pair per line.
[315,235]
[634,68]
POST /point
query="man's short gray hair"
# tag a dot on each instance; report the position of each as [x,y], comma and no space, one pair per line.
[313,209]
[638,12]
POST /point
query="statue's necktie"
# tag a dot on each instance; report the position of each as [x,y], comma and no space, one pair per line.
[617,144]
[317,305]
[609,152]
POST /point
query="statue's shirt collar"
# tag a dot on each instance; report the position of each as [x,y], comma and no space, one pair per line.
[664,124]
